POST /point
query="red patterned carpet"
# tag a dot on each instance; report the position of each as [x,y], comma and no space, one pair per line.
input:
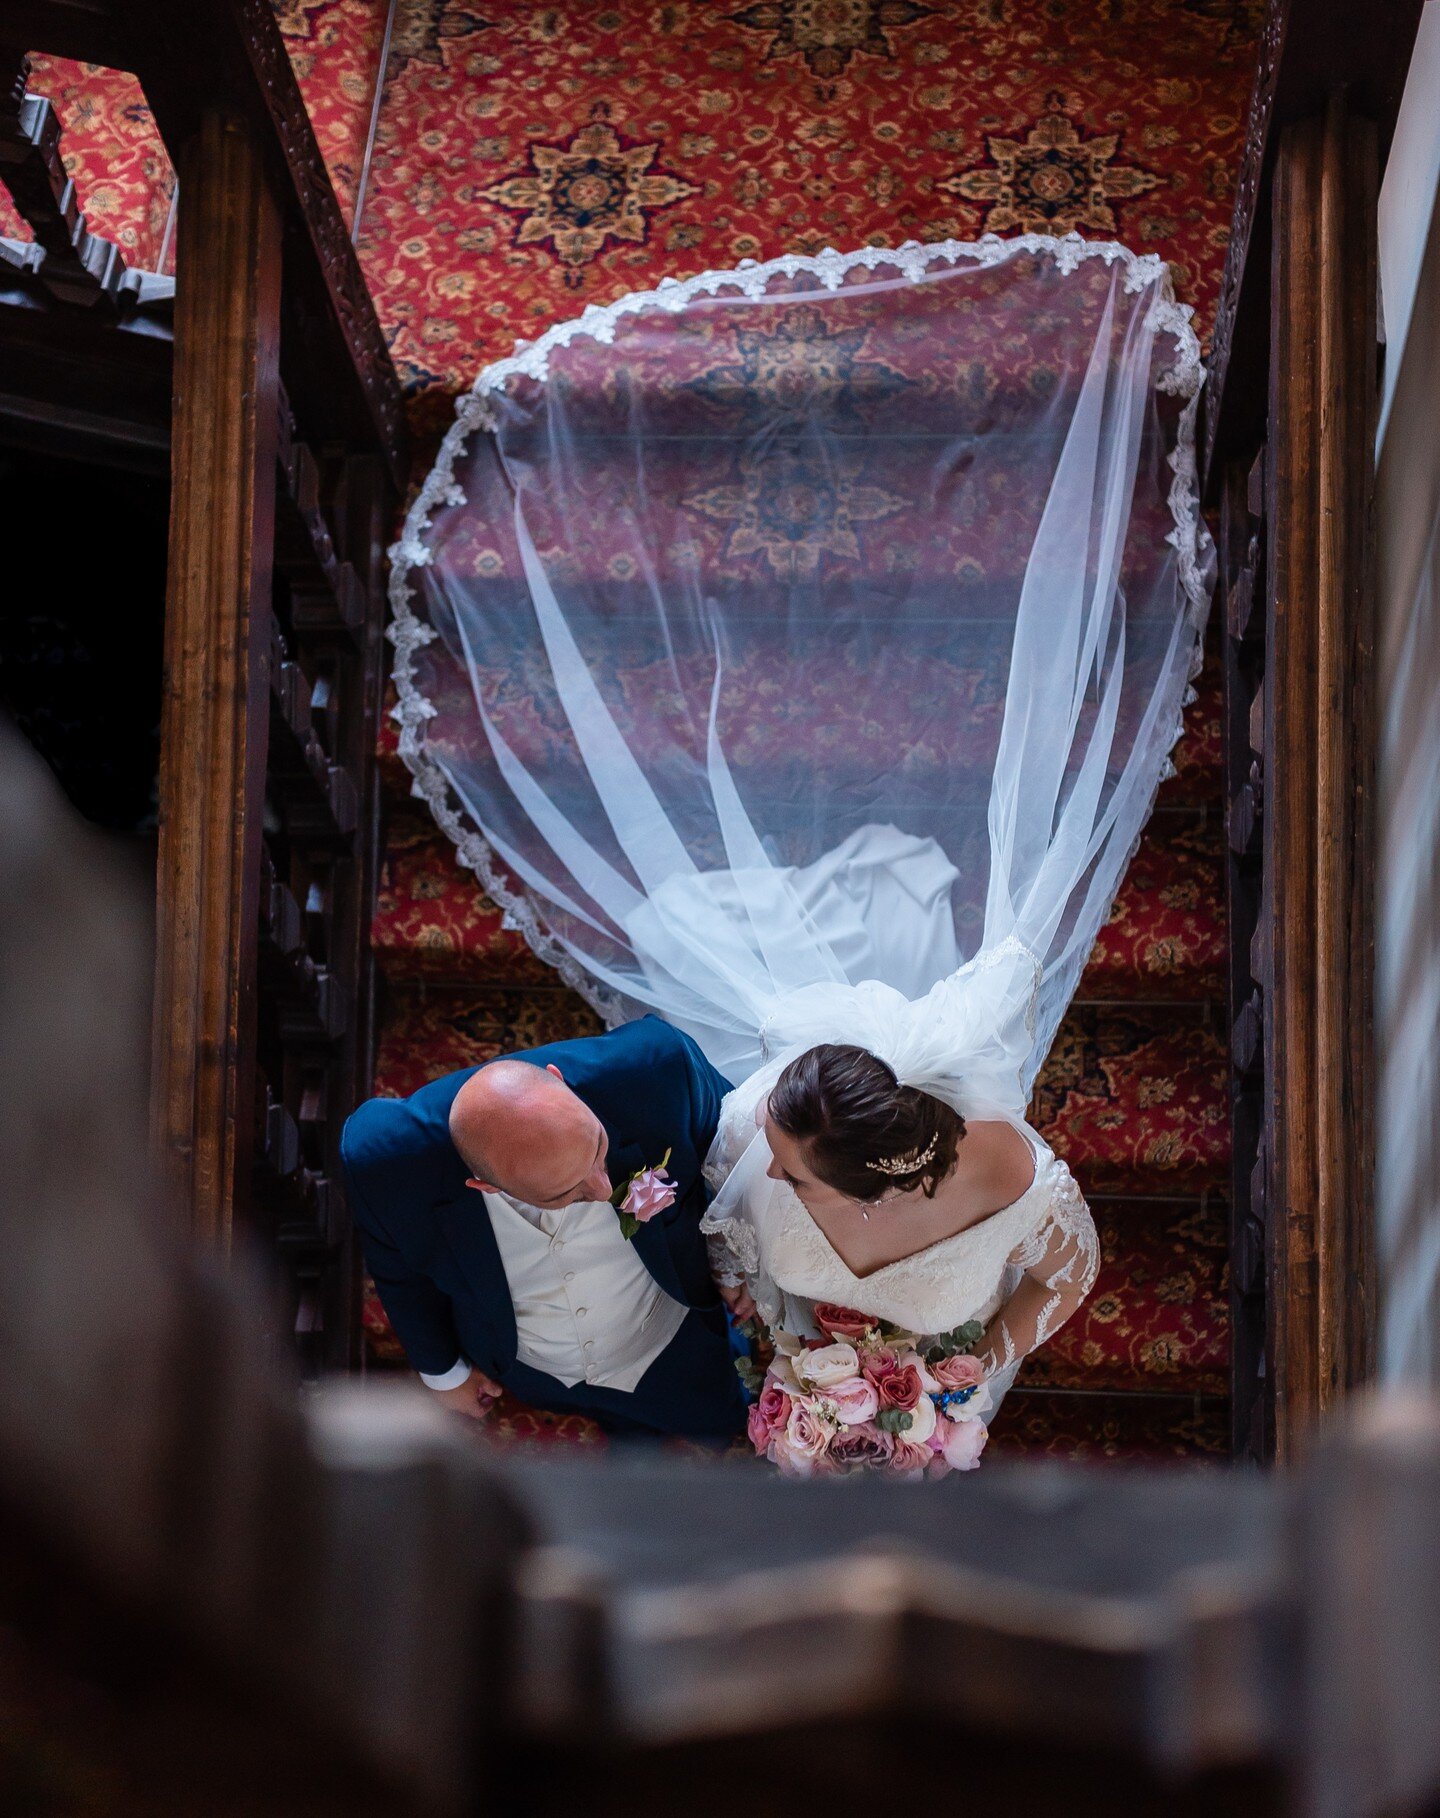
[532,159]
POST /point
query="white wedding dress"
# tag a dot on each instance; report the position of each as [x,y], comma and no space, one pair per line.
[795,652]
[760,1233]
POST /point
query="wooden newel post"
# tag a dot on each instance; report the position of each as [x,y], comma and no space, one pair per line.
[1319,764]
[215,714]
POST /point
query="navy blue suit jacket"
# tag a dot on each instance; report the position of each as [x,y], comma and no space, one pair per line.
[427,1237]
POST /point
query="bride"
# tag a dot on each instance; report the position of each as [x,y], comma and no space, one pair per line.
[881,1197]
[796,651]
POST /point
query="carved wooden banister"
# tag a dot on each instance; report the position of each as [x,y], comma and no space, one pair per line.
[242,39]
[76,265]
[1289,440]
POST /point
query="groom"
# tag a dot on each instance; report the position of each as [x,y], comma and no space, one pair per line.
[485,1216]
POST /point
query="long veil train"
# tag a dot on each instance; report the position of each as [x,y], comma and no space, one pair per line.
[819,623]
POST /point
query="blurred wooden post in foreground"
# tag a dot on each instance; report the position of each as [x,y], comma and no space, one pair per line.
[221,1596]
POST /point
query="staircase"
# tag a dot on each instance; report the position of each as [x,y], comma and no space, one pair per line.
[1133,1096]
[767,130]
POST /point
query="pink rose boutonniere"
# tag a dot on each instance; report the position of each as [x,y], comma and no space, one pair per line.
[648,1191]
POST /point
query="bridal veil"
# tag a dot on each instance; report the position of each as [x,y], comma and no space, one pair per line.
[821,623]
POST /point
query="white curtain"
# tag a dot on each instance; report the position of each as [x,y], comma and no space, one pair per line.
[821,622]
[1407,887]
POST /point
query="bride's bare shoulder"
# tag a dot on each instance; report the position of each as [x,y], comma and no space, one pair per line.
[995,1151]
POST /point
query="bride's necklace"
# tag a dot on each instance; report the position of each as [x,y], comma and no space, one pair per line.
[884,1200]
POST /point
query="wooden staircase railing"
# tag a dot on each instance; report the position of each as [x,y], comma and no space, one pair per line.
[1289,442]
[286,456]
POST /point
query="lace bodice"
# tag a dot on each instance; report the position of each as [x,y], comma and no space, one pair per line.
[935,1289]
[1030,1264]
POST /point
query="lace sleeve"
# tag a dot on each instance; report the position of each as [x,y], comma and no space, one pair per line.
[731,1245]
[1058,1261]
[727,1252]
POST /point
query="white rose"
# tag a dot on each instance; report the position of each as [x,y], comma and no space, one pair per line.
[823,1368]
[922,1421]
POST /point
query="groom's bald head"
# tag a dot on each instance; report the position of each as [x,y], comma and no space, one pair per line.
[522,1131]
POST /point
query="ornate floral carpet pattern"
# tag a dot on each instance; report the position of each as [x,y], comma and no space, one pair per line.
[533,159]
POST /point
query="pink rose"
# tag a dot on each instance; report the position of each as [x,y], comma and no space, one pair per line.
[897,1384]
[651,1191]
[843,1322]
[855,1400]
[909,1460]
[958,1372]
[799,1448]
[774,1402]
[861,1448]
[961,1442]
[768,1416]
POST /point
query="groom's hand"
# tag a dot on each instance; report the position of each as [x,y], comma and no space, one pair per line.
[473,1398]
[737,1298]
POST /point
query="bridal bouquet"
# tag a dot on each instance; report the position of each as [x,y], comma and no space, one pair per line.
[868,1396]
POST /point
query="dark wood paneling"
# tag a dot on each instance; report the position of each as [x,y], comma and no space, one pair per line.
[1309,50]
[1243,593]
[213,745]
[1318,765]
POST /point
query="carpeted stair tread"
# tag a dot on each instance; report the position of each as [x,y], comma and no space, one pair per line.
[1165,937]
[429,1031]
[395,777]
[433,921]
[1158,1318]
[1134,1097]
[1048,1423]
[1166,934]
[1198,757]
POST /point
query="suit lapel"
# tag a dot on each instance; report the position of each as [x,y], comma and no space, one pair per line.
[465,1225]
[651,1241]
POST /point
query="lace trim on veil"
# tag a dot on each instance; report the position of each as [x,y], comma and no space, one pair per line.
[408,632]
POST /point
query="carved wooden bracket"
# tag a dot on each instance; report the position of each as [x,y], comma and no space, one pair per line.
[77,266]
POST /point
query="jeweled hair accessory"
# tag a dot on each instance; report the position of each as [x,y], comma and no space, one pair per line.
[905,1164]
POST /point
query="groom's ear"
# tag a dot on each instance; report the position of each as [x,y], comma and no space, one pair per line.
[481,1186]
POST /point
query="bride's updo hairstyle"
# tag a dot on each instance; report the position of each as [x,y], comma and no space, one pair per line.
[859,1125]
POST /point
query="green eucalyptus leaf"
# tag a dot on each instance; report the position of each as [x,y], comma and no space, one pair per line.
[894,1420]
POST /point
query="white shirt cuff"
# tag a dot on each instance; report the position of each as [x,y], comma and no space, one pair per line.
[448,1379]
